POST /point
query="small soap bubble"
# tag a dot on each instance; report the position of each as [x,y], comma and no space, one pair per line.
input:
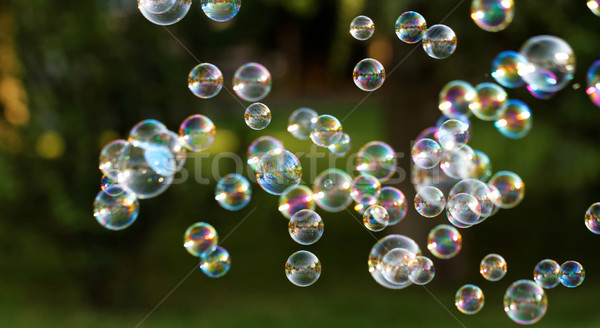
[394,202]
[341,146]
[257,116]
[197,132]
[116,208]
[482,166]
[332,190]
[551,63]
[492,15]
[111,157]
[252,82]
[300,122]
[369,74]
[507,68]
[306,227]
[439,41]
[295,199]
[465,208]
[377,159]
[492,99]
[426,153]
[469,299]
[278,170]
[382,248]
[423,271]
[594,6]
[430,202]
[457,163]
[205,80]
[511,189]
[303,268]
[145,130]
[493,267]
[453,133]
[571,274]
[592,218]
[259,147]
[233,192]
[365,189]
[325,130]
[397,264]
[458,99]
[376,218]
[221,10]
[164,12]
[146,169]
[525,302]
[444,241]
[515,121]
[411,27]
[200,239]
[593,82]
[362,28]
[216,263]
[547,274]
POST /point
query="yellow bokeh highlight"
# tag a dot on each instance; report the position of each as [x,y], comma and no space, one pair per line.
[50,145]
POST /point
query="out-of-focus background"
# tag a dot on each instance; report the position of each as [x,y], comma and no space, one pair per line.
[76,74]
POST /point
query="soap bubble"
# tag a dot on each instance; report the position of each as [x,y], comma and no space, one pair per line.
[233,192]
[571,274]
[377,159]
[295,199]
[200,239]
[469,299]
[216,263]
[511,188]
[175,144]
[362,28]
[444,241]
[492,15]
[507,68]
[146,130]
[465,208]
[115,208]
[539,94]
[332,190]
[380,249]
[164,12]
[365,189]
[394,201]
[551,63]
[430,202]
[146,169]
[205,80]
[457,163]
[221,10]
[376,218]
[439,41]
[525,302]
[341,146]
[593,81]
[484,194]
[426,153]
[252,82]
[493,267]
[368,74]
[197,132]
[492,99]
[594,6]
[423,271]
[106,182]
[110,158]
[257,116]
[547,274]
[592,218]
[306,227]
[397,264]
[325,130]
[300,122]
[453,133]
[411,27]
[515,120]
[303,268]
[455,222]
[278,170]
[259,147]
[482,167]
[458,99]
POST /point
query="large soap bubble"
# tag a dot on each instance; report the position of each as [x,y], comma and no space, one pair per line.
[115,208]
[377,159]
[492,15]
[300,122]
[362,28]
[303,268]
[278,170]
[368,74]
[164,12]
[551,63]
[525,302]
[380,249]
[205,80]
[332,190]
[221,10]
[439,41]
[252,82]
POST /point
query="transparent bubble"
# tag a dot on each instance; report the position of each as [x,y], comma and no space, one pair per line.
[439,41]
[493,267]
[342,146]
[453,133]
[594,6]
[376,218]
[492,15]
[592,218]
[426,153]
[325,130]
[571,274]
[458,99]
[464,208]
[295,199]
[507,68]
[455,222]
[200,239]
[397,264]
[444,241]
[115,208]
[252,82]
[257,116]
[411,27]
[492,99]
[423,271]
[278,170]
[511,189]
[457,163]
[205,80]
[368,74]
[110,158]
[164,12]
[221,10]
[525,302]
[216,263]
[469,299]
[197,132]
[300,122]
[551,63]
[362,28]
[482,166]
[380,249]
[430,202]
[547,274]
[539,94]
[365,189]
[483,208]
[515,121]
[259,147]
[233,192]
[306,227]
[303,268]
[146,169]
[394,202]
[593,82]
[174,143]
[377,159]
[332,190]
[146,130]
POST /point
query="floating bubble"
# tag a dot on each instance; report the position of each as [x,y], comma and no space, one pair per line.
[303,268]
[368,74]
[469,299]
[551,63]
[592,218]
[295,199]
[593,80]
[362,28]
[380,249]
[511,189]
[365,189]
[507,68]
[571,274]
[444,241]
[200,239]
[455,222]
[300,122]
[493,267]
[164,12]
[397,264]
[492,99]
[306,227]
[594,6]
[197,132]
[515,121]
[252,82]
[411,27]
[145,130]
[146,169]
[426,153]
[259,147]
[377,159]
[332,190]
[376,218]
[525,302]
[423,271]
[457,163]
[221,10]
[233,192]
[458,99]
[453,133]
[278,170]
[439,41]
[325,130]
[116,208]
[430,202]
[216,263]
[173,142]
[482,166]
[110,158]
[483,208]
[492,15]
[547,274]
[465,208]
[341,146]
[394,202]
[205,80]
[257,116]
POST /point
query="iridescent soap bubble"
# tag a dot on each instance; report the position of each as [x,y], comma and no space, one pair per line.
[482,166]
[197,132]
[164,12]
[200,239]
[252,82]
[547,274]
[325,130]
[469,299]
[471,211]
[368,74]
[110,158]
[300,122]
[382,248]
[411,27]
[257,116]
[394,202]
[439,41]
[146,130]
[332,190]
[453,133]
[306,227]
[175,144]
[593,82]
[365,189]
[233,192]
[303,268]
[377,159]
[493,267]
[295,199]
[397,264]
[259,147]
[444,241]
[205,80]
[221,10]
[426,153]
[376,218]
[216,263]
[423,270]
[539,94]
[515,121]
[492,99]
[146,169]
[507,68]
[458,99]
[278,170]
[430,202]
[362,28]
[342,146]
[551,63]
[571,274]
[492,15]
[592,218]
[116,208]
[594,6]
[106,182]
[525,302]
[511,188]
[457,163]
[464,208]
